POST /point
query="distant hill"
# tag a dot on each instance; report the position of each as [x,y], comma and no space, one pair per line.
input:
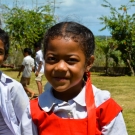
[103,37]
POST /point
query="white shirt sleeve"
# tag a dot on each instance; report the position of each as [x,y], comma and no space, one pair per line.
[23,62]
[19,99]
[115,127]
[27,127]
[39,58]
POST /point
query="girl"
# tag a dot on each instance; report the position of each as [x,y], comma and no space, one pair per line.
[71,105]
[13,99]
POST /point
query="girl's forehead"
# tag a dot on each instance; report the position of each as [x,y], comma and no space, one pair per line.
[64,45]
[67,36]
[66,42]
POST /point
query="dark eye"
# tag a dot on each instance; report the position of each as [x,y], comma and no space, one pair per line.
[72,60]
[1,52]
[50,59]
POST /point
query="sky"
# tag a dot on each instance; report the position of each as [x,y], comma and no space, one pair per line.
[85,12]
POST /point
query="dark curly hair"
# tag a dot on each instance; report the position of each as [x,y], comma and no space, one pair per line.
[27,50]
[5,39]
[75,31]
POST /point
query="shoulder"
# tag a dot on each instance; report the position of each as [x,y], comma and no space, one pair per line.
[16,90]
[6,79]
[40,52]
[25,59]
[100,96]
[10,82]
[30,58]
[106,108]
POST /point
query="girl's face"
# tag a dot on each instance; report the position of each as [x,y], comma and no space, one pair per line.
[64,65]
[2,52]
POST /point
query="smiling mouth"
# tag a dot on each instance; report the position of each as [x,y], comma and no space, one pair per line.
[60,78]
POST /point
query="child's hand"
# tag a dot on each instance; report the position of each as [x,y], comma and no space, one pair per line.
[18,75]
[36,74]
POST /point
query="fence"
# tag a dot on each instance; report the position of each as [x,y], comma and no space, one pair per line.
[110,70]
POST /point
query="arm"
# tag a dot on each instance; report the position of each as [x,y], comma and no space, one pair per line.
[33,69]
[39,68]
[21,69]
[19,98]
[109,115]
[27,127]
[115,127]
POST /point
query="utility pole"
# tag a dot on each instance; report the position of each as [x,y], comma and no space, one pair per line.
[36,5]
[54,7]
[32,4]
[16,3]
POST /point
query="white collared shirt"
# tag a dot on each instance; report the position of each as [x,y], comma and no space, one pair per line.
[4,129]
[38,59]
[74,108]
[13,101]
[28,63]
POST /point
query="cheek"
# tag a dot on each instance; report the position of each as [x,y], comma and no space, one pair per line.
[78,71]
[1,59]
[48,69]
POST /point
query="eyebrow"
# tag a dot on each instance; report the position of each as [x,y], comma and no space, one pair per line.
[55,54]
[2,49]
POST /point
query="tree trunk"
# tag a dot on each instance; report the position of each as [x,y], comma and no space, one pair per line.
[106,65]
[131,68]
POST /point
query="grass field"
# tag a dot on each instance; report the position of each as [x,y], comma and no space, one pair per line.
[122,89]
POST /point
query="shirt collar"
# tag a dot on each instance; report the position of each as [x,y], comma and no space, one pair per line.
[47,100]
[38,51]
[80,98]
[28,56]
[5,79]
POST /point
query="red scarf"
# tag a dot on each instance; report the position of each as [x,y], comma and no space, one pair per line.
[91,109]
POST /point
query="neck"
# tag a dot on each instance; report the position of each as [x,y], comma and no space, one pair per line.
[70,93]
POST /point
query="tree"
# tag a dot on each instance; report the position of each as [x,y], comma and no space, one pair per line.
[107,47]
[122,27]
[27,26]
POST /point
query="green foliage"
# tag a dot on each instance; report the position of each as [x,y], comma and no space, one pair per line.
[106,47]
[27,26]
[122,28]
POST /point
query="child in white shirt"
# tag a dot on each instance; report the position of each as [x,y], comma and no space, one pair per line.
[13,99]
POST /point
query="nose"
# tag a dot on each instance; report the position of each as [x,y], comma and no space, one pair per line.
[61,66]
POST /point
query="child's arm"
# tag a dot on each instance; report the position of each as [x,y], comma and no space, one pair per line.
[109,115]
[115,127]
[39,68]
[27,127]
[19,98]
[21,69]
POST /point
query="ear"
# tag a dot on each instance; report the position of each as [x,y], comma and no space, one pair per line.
[89,63]
[5,57]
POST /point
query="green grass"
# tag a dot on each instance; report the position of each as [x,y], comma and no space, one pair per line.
[13,74]
[122,89]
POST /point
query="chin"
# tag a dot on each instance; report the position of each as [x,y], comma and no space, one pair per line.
[60,89]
